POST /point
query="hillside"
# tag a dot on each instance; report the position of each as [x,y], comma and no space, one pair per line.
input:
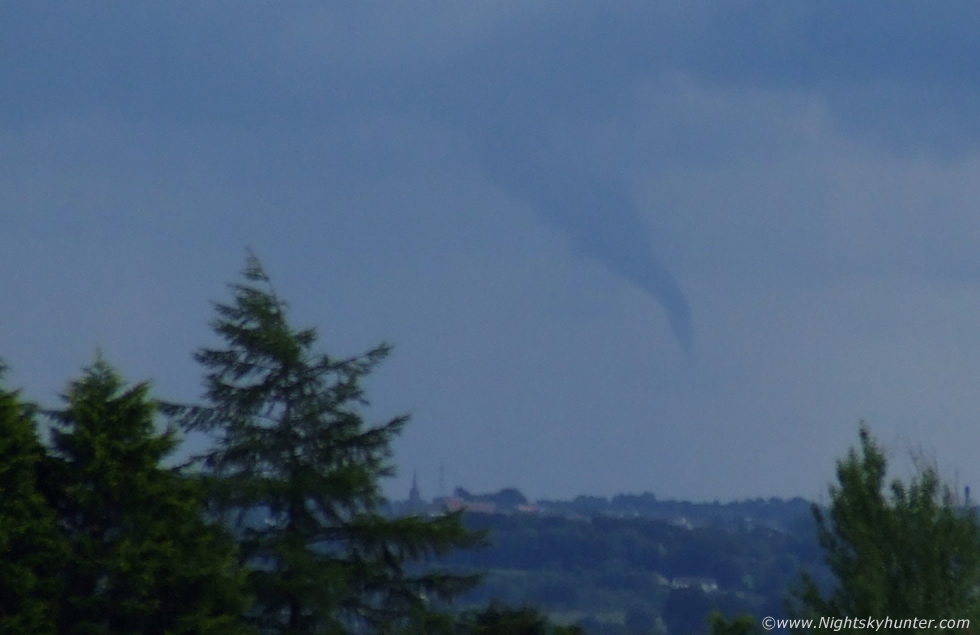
[633,564]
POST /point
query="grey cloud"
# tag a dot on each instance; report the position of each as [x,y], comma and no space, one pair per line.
[504,84]
[903,79]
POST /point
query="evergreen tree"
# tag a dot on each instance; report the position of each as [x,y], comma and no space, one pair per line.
[143,560]
[297,470]
[910,552]
[31,548]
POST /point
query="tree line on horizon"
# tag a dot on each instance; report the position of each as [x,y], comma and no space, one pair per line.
[279,526]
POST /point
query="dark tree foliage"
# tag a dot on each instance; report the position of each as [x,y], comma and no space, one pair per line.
[502,620]
[143,560]
[297,470]
[687,610]
[31,549]
[908,551]
[741,625]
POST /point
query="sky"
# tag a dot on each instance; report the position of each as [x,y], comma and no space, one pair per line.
[673,247]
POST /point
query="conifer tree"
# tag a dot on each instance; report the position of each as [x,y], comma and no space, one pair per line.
[297,470]
[31,548]
[143,559]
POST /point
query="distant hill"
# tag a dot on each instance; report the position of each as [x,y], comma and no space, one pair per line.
[634,564]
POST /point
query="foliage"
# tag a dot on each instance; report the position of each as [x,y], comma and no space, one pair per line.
[905,553]
[297,468]
[497,619]
[686,611]
[741,625]
[31,549]
[142,559]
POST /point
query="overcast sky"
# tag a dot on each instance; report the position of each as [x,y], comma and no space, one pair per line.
[677,247]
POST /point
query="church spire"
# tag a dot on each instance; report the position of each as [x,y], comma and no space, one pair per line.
[414,497]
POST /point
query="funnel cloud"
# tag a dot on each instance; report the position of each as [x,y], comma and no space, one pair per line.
[599,218]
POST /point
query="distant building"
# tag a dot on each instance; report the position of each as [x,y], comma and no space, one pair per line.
[481,507]
[683,523]
[708,585]
[415,503]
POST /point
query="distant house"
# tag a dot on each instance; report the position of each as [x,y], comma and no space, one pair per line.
[480,507]
[683,523]
[708,585]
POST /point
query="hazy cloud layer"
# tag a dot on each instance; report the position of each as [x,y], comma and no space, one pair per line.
[543,204]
